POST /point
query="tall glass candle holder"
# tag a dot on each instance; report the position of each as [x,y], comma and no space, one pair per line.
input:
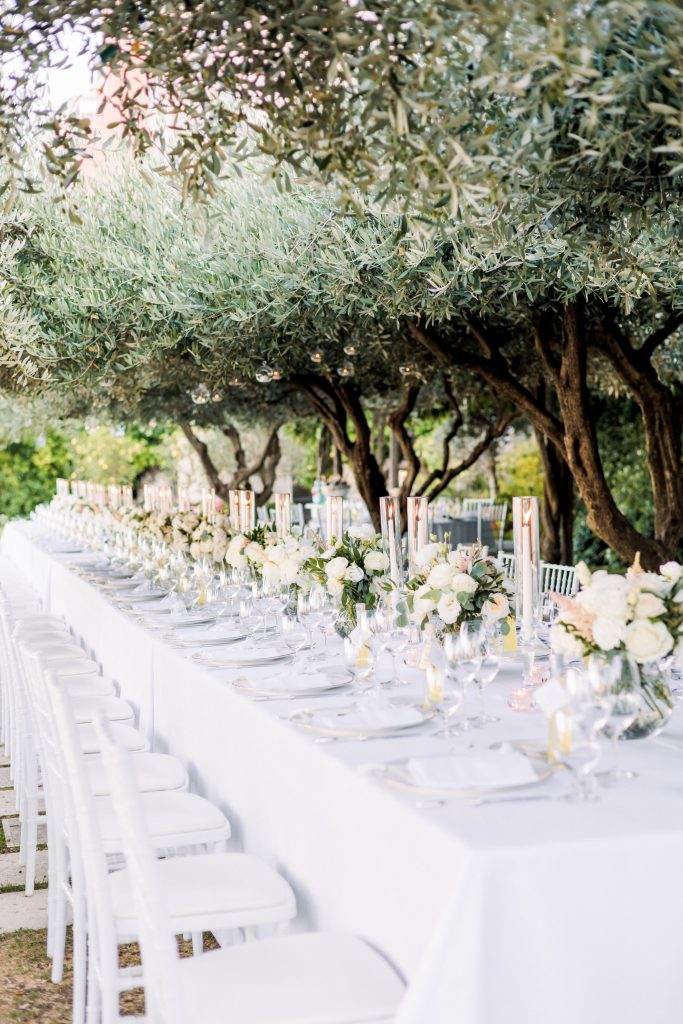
[334,516]
[418,530]
[234,513]
[247,511]
[283,515]
[525,521]
[390,518]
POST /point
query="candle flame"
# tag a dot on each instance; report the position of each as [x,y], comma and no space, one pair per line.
[526,516]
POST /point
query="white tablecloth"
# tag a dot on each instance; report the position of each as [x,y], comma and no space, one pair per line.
[516,913]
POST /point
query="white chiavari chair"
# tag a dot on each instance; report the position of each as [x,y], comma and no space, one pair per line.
[558,579]
[310,978]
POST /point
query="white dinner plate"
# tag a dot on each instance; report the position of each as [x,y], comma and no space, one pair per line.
[396,774]
[125,584]
[332,677]
[318,722]
[175,621]
[220,640]
[250,659]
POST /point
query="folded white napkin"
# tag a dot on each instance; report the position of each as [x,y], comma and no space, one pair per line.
[292,680]
[247,652]
[355,720]
[462,771]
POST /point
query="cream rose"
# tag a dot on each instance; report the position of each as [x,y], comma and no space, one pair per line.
[376,561]
[363,532]
[608,632]
[354,574]
[671,571]
[565,643]
[648,606]
[496,607]
[449,608]
[426,555]
[422,605]
[583,574]
[463,584]
[440,576]
[336,568]
[647,641]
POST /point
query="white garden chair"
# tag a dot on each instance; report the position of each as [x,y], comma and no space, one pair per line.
[213,891]
[558,579]
[314,978]
[493,513]
[507,562]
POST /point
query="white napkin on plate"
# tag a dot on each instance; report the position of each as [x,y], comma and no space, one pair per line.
[355,720]
[462,771]
[246,652]
[292,680]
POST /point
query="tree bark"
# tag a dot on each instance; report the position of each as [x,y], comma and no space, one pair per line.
[323,457]
[265,465]
[557,507]
[491,470]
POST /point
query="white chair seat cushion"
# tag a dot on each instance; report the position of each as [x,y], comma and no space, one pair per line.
[74,666]
[39,619]
[49,635]
[172,820]
[125,735]
[88,683]
[153,773]
[317,978]
[60,651]
[87,708]
[224,890]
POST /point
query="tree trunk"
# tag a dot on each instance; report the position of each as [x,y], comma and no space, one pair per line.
[557,508]
[369,481]
[491,471]
[323,462]
[582,454]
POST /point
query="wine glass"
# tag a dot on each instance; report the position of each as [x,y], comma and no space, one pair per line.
[359,660]
[580,757]
[488,670]
[294,633]
[446,692]
[322,613]
[616,678]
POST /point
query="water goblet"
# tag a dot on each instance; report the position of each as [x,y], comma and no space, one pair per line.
[617,679]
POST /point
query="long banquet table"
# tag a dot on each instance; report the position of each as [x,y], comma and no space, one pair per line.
[524,912]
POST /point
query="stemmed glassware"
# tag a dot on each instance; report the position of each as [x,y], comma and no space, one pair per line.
[392,628]
[446,692]
[616,678]
[488,670]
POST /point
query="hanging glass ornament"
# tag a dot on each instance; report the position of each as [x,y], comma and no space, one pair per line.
[264,374]
[235,381]
[216,397]
[316,356]
[406,370]
[277,373]
[350,350]
[200,395]
[346,370]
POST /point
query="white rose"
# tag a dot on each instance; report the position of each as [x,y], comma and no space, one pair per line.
[363,532]
[426,554]
[271,572]
[564,642]
[496,607]
[671,571]
[648,641]
[649,581]
[678,598]
[440,575]
[605,598]
[336,568]
[354,574]
[423,606]
[290,570]
[255,552]
[335,587]
[584,574]
[376,561]
[608,632]
[449,608]
[237,543]
[648,606]
[459,561]
[464,584]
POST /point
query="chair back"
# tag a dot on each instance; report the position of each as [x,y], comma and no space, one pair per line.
[559,579]
[89,867]
[507,562]
[163,996]
[495,514]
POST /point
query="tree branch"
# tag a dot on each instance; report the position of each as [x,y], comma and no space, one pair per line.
[397,423]
[658,337]
[207,462]
[493,432]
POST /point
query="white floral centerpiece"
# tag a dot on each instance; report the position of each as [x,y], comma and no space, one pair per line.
[354,571]
[457,586]
[248,550]
[640,613]
[211,539]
